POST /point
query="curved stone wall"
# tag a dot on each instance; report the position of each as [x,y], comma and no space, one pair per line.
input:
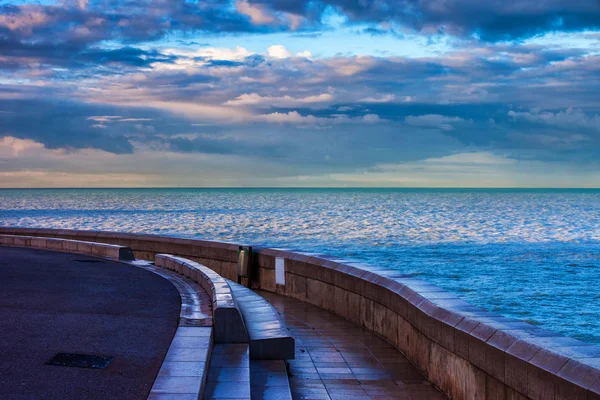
[468,352]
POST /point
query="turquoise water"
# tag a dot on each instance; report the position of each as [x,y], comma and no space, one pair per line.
[533,255]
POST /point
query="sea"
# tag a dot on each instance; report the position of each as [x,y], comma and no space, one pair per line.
[532,255]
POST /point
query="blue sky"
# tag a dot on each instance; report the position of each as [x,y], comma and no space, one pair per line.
[99,93]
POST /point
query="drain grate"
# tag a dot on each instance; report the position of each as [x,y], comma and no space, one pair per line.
[80,360]
[90,261]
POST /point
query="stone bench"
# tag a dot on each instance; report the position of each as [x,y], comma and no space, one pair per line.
[115,252]
[228,323]
[269,337]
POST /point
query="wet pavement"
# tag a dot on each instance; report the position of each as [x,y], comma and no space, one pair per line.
[56,302]
[336,359]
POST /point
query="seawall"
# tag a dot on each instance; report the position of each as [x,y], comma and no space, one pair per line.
[467,351]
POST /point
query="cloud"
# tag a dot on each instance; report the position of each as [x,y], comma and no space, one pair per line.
[473,158]
[295,118]
[487,20]
[254,99]
[257,13]
[434,121]
[387,98]
[27,163]
[315,116]
[103,118]
[114,118]
[237,53]
[569,118]
[278,51]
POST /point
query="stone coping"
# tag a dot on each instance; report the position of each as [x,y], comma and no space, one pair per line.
[196,306]
[112,251]
[465,350]
[228,322]
[184,371]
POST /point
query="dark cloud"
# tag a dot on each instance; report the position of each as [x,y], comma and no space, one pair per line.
[216,144]
[70,124]
[127,21]
[491,20]
[57,125]
[74,55]
[146,20]
[64,34]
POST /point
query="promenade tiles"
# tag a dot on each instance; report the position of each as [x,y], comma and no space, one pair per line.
[229,372]
[336,359]
[269,380]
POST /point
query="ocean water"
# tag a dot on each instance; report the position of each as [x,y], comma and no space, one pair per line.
[532,255]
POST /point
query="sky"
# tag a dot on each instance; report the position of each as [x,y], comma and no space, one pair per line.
[300,93]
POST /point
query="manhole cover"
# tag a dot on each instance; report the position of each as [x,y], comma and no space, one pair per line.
[89,261]
[80,360]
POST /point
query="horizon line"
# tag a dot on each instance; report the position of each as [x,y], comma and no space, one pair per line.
[310,187]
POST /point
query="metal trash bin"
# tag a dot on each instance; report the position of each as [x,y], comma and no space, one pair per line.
[244,270]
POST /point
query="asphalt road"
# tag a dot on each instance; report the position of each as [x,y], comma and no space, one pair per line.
[55,302]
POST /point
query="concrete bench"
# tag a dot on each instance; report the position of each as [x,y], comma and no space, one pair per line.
[115,252]
[270,339]
[228,323]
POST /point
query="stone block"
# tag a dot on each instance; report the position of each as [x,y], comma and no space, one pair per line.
[317,292]
[511,394]
[442,334]
[71,246]
[7,240]
[24,241]
[462,337]
[349,278]
[421,351]
[365,312]
[54,244]
[112,252]
[469,383]
[353,308]
[405,333]
[84,247]
[266,279]
[338,303]
[494,389]
[98,249]
[540,383]
[164,262]
[378,318]
[439,371]
[478,348]
[573,379]
[296,286]
[264,261]
[229,270]
[390,326]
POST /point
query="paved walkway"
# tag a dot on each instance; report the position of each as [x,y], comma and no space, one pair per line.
[56,302]
[336,359]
